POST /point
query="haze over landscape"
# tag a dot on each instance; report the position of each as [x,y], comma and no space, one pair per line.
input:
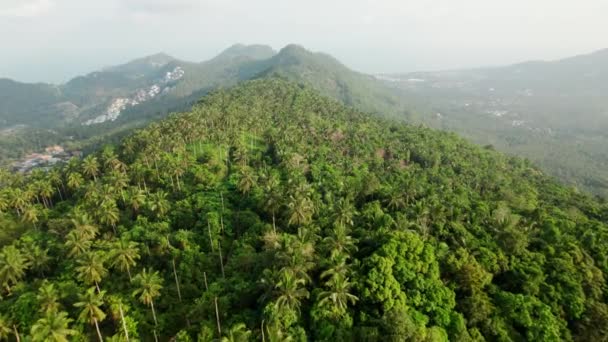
[75,37]
[280,171]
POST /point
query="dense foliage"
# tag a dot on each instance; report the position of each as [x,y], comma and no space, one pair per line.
[271,213]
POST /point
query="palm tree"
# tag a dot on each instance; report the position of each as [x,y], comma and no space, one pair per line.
[5,327]
[82,225]
[77,243]
[338,297]
[344,212]
[90,303]
[90,167]
[30,215]
[247,180]
[48,297]
[75,180]
[301,209]
[290,292]
[109,214]
[158,203]
[149,286]
[339,242]
[124,255]
[91,269]
[52,327]
[13,265]
[237,333]
[37,257]
[136,199]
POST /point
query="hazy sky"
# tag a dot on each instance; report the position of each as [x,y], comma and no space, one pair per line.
[53,40]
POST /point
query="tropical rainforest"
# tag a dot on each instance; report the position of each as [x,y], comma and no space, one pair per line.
[271,213]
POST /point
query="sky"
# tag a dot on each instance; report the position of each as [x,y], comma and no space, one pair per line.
[54,40]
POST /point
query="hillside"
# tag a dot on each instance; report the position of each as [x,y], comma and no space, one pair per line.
[269,212]
[555,112]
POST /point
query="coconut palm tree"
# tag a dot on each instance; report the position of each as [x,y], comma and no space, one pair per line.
[158,203]
[31,215]
[53,327]
[75,180]
[82,225]
[77,243]
[90,302]
[301,209]
[91,269]
[338,296]
[339,242]
[48,297]
[5,327]
[90,167]
[290,292]
[124,255]
[149,286]
[13,265]
[37,257]
[237,333]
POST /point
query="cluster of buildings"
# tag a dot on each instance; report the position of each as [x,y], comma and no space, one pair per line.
[51,156]
[118,105]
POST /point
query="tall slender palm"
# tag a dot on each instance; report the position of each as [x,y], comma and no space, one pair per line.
[48,298]
[338,296]
[5,327]
[149,286]
[344,212]
[339,242]
[91,269]
[31,215]
[53,327]
[77,243]
[109,214]
[37,256]
[301,209]
[290,292]
[75,180]
[124,255]
[237,333]
[90,167]
[158,203]
[82,225]
[13,265]
[91,303]
[136,199]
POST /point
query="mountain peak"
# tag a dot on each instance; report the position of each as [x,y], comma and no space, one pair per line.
[254,51]
[294,50]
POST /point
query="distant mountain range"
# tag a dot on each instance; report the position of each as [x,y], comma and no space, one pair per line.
[555,113]
[105,95]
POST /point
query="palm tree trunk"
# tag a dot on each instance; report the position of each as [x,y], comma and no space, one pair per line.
[179,292]
[155,336]
[98,289]
[153,314]
[16,333]
[221,259]
[98,331]
[129,273]
[124,324]
[210,238]
[59,191]
[217,319]
[205,278]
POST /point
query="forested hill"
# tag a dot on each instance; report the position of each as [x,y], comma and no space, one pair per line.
[271,213]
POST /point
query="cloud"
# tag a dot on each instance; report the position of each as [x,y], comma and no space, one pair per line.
[160,6]
[25,8]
